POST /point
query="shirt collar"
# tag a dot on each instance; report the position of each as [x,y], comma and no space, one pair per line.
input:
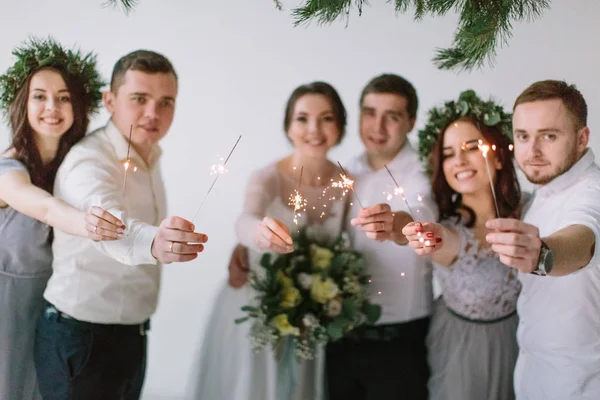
[397,162]
[121,145]
[568,178]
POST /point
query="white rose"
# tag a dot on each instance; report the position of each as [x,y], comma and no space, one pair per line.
[305,280]
[334,308]
[309,320]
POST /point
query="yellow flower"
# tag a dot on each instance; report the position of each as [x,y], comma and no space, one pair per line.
[351,284]
[320,256]
[291,297]
[285,280]
[281,323]
[323,290]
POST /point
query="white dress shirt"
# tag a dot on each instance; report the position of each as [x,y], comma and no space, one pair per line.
[108,282]
[559,328]
[401,280]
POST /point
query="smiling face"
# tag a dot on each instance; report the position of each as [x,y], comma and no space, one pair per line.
[49,107]
[463,165]
[146,102]
[313,129]
[384,124]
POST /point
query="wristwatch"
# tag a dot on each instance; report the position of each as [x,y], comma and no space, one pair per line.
[545,262]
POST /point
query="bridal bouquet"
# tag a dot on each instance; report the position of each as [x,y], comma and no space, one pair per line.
[312,296]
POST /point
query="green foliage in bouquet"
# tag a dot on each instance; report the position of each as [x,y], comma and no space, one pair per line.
[314,295]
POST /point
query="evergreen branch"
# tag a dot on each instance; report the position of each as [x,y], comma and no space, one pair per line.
[484,25]
[127,5]
[278,5]
[324,11]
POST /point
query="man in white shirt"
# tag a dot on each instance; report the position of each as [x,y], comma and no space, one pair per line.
[387,361]
[555,247]
[91,341]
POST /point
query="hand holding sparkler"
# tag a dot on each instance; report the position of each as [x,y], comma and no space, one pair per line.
[376,221]
[273,235]
[176,241]
[517,243]
[424,237]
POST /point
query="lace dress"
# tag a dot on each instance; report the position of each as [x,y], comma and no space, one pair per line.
[472,346]
[229,369]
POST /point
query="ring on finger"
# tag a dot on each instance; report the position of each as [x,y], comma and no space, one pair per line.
[96,229]
[170,247]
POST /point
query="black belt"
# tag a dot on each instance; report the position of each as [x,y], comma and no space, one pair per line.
[54,314]
[480,321]
[389,332]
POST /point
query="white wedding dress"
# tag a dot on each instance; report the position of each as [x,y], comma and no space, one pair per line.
[229,369]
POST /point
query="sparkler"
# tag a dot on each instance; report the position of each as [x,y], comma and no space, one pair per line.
[219,169]
[297,200]
[127,160]
[346,183]
[484,148]
[400,191]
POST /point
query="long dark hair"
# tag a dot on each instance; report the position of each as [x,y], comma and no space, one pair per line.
[23,139]
[508,191]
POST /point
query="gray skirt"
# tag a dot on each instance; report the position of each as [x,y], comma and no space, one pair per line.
[471,360]
[21,303]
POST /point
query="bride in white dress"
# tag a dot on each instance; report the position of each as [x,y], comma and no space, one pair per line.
[314,122]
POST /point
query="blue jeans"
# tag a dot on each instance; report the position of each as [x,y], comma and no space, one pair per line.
[78,360]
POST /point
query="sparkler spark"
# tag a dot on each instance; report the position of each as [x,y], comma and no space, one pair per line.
[484,148]
[298,201]
[127,162]
[346,184]
[220,168]
[400,191]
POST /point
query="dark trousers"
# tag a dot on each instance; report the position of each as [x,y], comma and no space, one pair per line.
[387,362]
[78,360]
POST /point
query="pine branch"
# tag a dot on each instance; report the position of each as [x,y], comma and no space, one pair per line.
[324,11]
[483,25]
[127,5]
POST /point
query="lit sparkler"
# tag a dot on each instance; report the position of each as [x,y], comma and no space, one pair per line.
[219,168]
[346,183]
[484,148]
[297,200]
[400,191]
[127,162]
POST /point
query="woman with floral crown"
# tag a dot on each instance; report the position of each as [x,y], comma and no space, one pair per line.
[48,96]
[472,348]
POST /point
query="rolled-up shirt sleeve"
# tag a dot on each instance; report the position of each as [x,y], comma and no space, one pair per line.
[584,209]
[90,178]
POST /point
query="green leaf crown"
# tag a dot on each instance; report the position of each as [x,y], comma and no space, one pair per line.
[468,104]
[35,54]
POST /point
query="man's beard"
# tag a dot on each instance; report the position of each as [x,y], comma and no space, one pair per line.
[563,167]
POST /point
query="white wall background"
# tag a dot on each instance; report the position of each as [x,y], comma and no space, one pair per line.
[238,60]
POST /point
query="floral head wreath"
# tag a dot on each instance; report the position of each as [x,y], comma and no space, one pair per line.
[468,105]
[47,53]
